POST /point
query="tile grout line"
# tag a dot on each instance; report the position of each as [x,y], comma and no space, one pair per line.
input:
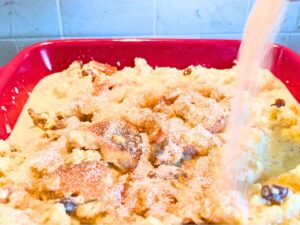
[249,7]
[10,20]
[142,35]
[288,39]
[154,18]
[17,46]
[59,16]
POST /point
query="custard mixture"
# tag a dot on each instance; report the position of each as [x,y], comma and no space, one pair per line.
[142,145]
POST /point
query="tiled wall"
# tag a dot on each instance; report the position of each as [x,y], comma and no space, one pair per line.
[23,22]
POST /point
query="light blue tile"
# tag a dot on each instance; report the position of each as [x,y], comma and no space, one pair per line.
[5,18]
[224,36]
[279,39]
[294,42]
[25,42]
[107,17]
[201,16]
[291,20]
[282,39]
[28,18]
[202,36]
[7,51]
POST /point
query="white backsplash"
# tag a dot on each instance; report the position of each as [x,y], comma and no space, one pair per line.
[23,22]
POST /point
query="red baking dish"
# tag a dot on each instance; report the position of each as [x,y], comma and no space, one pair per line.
[21,74]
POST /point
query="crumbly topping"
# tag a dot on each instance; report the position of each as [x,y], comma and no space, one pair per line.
[131,146]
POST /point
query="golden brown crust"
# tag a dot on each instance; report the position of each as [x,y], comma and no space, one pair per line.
[91,180]
[120,143]
[193,108]
[104,67]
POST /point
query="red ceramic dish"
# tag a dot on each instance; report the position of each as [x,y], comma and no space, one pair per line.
[21,74]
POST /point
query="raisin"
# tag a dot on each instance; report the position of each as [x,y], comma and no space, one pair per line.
[274,194]
[279,103]
[187,71]
[151,174]
[85,73]
[69,205]
[172,199]
[189,152]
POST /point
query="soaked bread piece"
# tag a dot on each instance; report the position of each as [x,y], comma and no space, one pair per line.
[194,109]
[90,180]
[120,143]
